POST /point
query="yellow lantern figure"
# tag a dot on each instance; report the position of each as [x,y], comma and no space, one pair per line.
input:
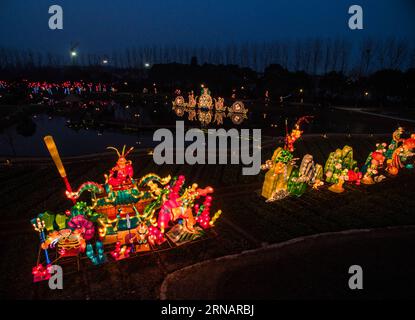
[215,217]
[53,150]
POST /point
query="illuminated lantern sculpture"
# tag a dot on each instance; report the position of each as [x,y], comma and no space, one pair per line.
[120,252]
[192,114]
[179,102]
[291,138]
[282,178]
[205,117]
[373,164]
[408,146]
[41,273]
[337,168]
[39,226]
[354,176]
[98,257]
[400,154]
[120,175]
[219,118]
[192,100]
[205,100]
[219,104]
[396,140]
[69,243]
[82,224]
[309,173]
[276,179]
[237,118]
[125,215]
[238,107]
[179,110]
[53,150]
[206,105]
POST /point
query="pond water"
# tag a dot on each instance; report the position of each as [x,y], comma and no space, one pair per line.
[85,132]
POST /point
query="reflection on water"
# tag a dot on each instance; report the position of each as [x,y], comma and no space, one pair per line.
[219,118]
[205,108]
[91,128]
[71,142]
[237,118]
[26,127]
[205,116]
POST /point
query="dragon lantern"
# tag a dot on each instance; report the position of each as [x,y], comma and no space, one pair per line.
[125,215]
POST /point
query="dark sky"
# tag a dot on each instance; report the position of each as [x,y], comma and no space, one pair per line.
[105,25]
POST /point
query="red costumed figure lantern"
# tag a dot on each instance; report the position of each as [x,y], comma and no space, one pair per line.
[120,176]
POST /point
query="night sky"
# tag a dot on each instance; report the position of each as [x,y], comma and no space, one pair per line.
[105,25]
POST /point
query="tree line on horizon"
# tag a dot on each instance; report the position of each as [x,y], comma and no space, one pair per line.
[313,56]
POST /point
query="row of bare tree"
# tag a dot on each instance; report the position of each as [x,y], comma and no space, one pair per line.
[314,56]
